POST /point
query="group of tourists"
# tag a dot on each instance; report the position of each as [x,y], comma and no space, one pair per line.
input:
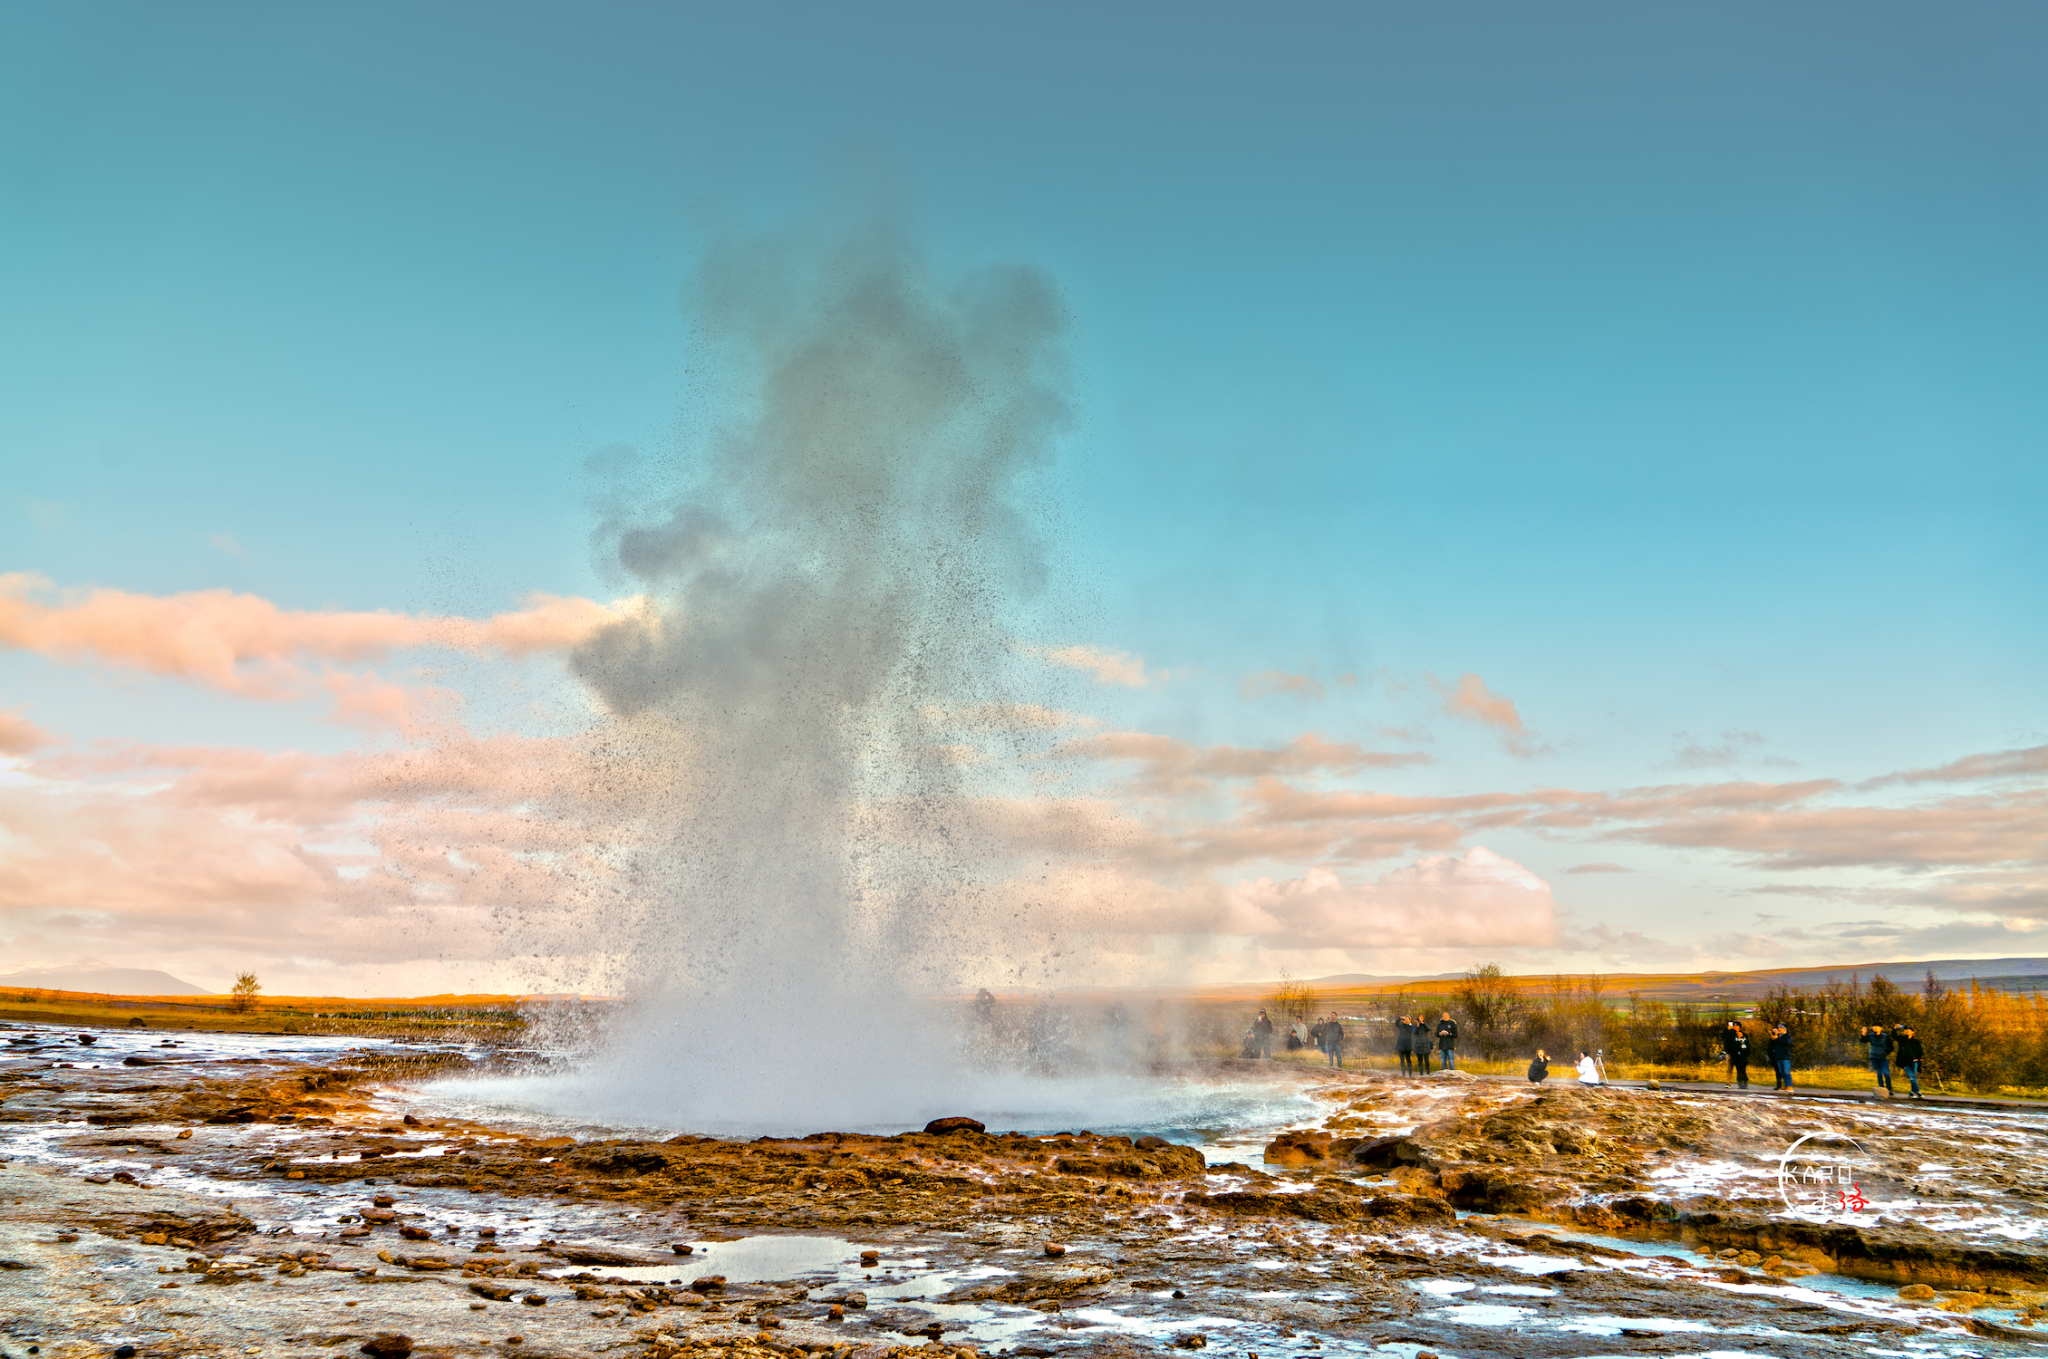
[1735,1049]
[1588,1066]
[1897,1047]
[1885,1049]
[1326,1036]
[1413,1040]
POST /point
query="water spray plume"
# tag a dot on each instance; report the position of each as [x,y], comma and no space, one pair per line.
[832,583]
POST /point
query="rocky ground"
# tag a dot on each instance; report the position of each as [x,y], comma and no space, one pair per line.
[210,1200]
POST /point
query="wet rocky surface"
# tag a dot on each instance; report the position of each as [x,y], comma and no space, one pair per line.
[222,1197]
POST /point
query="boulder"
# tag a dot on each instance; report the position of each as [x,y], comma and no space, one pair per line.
[389,1345]
[1298,1149]
[1389,1152]
[956,1124]
[598,1255]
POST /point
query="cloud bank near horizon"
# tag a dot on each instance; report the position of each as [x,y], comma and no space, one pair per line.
[476,860]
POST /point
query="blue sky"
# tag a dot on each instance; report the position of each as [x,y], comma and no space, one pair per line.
[1677,371]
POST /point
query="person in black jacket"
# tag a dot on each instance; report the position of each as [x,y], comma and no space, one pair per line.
[1333,1041]
[1907,1052]
[1421,1044]
[1447,1042]
[1404,1044]
[1539,1067]
[1735,1043]
[1262,1035]
[1779,1050]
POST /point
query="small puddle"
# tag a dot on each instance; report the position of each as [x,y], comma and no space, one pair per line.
[751,1259]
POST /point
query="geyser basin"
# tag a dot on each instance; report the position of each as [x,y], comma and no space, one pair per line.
[1189,1110]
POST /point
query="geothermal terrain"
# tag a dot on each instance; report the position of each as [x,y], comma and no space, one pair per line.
[210,1195]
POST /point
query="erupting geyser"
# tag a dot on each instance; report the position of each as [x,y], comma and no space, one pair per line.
[833,585]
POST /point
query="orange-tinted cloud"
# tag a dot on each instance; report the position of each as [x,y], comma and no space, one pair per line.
[1108,667]
[1166,764]
[19,736]
[1474,702]
[1280,682]
[1998,764]
[246,645]
[1469,700]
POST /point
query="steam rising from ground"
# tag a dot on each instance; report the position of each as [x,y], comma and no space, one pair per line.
[834,583]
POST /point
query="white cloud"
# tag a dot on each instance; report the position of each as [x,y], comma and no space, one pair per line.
[1477,900]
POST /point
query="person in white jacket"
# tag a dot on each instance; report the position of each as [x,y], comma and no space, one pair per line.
[1589,1070]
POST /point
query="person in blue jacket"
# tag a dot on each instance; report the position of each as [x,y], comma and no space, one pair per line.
[1877,1042]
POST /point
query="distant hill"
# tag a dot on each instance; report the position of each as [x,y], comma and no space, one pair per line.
[103,981]
[2005,974]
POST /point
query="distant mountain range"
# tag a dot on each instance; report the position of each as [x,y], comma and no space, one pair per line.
[2006,974]
[104,981]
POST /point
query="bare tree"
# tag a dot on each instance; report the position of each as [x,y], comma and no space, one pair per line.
[246,987]
[1292,1000]
[1492,1007]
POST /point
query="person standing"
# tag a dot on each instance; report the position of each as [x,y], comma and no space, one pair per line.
[1779,1050]
[1907,1052]
[1262,1035]
[1404,1044]
[1738,1054]
[1877,1042]
[1333,1041]
[1422,1043]
[1447,1042]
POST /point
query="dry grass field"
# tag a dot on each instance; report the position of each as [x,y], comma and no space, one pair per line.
[440,1017]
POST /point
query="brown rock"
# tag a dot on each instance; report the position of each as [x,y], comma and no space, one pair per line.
[1298,1149]
[956,1124]
[496,1292]
[389,1345]
[1054,1251]
[1916,1293]
[709,1283]
[415,1233]
[1389,1152]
